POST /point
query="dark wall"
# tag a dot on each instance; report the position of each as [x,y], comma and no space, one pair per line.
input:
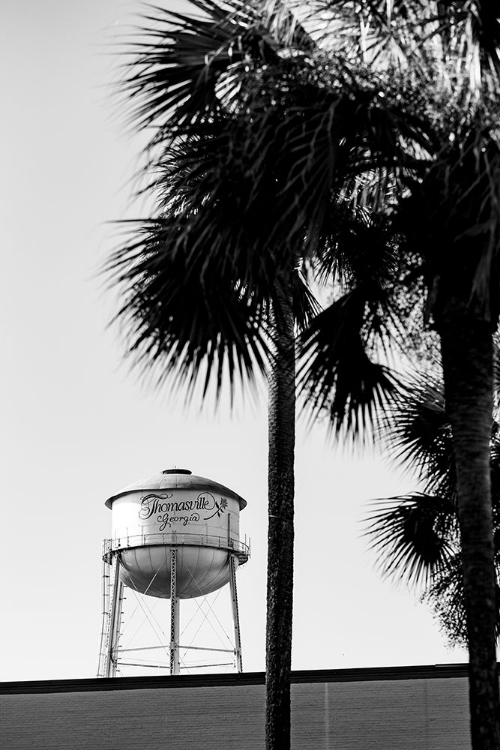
[421,708]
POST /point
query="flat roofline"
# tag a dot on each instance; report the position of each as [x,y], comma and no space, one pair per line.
[360,674]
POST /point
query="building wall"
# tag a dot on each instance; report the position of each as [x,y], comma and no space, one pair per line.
[422,708]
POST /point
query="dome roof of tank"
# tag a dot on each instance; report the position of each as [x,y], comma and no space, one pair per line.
[176,479]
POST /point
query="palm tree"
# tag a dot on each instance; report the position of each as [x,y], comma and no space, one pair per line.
[221,311]
[366,150]
[416,536]
[209,286]
[444,68]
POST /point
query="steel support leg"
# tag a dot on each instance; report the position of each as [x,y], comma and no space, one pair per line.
[236,615]
[174,615]
[114,617]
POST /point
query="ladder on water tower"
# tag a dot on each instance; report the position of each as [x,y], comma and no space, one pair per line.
[111,617]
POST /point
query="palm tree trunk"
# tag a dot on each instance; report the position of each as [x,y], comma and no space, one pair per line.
[467,353]
[280,531]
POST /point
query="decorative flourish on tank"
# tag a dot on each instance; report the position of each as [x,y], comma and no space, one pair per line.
[220,508]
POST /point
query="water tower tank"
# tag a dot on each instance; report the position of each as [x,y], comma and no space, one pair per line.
[175,509]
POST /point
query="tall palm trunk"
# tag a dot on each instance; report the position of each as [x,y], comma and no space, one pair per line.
[280,530]
[467,352]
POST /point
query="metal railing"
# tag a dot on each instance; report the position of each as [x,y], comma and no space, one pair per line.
[176,539]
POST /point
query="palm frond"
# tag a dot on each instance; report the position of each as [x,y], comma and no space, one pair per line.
[356,246]
[305,304]
[172,73]
[414,536]
[185,321]
[311,129]
[335,374]
[216,214]
[446,596]
[416,432]
[188,68]
[460,39]
[458,232]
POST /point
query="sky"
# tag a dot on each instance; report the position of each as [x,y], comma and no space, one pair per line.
[77,425]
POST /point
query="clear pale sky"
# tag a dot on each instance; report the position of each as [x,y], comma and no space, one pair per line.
[77,425]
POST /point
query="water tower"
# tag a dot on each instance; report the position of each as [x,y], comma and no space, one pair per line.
[174,536]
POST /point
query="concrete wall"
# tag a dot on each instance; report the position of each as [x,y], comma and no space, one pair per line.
[422,708]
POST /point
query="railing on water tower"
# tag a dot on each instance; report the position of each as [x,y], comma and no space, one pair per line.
[174,539]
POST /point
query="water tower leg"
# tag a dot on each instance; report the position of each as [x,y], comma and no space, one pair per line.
[114,618]
[101,669]
[236,615]
[174,615]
